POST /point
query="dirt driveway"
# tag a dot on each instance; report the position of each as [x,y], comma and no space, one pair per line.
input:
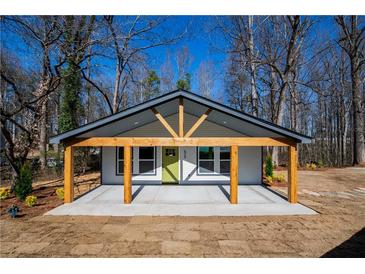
[338,194]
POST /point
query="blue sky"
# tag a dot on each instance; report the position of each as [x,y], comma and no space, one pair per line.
[201,41]
[201,44]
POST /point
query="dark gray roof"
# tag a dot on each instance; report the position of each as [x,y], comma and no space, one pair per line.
[300,138]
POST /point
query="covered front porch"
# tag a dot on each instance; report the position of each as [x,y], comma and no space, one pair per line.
[181,120]
[181,200]
[234,143]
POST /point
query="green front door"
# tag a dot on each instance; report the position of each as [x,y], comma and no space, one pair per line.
[170,165]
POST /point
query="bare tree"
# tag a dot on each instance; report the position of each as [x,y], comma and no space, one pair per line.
[239,32]
[184,59]
[284,42]
[352,41]
[167,74]
[274,59]
[42,33]
[130,38]
[206,76]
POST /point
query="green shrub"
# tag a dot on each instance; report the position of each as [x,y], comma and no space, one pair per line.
[4,193]
[31,200]
[269,167]
[23,184]
[60,193]
[320,164]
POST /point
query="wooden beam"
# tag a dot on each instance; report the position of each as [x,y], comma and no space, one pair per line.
[198,123]
[127,175]
[181,117]
[68,174]
[292,174]
[164,123]
[234,175]
[168,141]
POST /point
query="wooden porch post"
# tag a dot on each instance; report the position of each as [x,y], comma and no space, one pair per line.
[68,174]
[292,174]
[234,175]
[127,175]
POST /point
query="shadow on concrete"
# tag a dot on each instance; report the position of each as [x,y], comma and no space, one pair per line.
[85,193]
[135,194]
[354,247]
[225,192]
[275,192]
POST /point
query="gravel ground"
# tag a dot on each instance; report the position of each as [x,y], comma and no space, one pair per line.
[338,231]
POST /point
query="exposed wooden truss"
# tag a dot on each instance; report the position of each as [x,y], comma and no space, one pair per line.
[181,121]
[198,123]
[164,122]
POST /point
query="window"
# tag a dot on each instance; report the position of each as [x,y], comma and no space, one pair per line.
[214,160]
[224,160]
[120,160]
[205,160]
[147,160]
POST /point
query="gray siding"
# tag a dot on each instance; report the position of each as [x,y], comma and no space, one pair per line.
[206,129]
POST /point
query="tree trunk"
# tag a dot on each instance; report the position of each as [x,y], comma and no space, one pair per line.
[358,113]
[116,87]
[252,67]
[279,121]
[56,147]
[43,135]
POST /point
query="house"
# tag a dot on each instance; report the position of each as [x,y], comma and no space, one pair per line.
[181,138]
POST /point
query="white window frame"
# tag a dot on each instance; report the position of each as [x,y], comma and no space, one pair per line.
[205,160]
[118,172]
[135,162]
[216,162]
[224,160]
[153,172]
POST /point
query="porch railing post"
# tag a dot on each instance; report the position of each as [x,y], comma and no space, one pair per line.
[292,174]
[234,175]
[127,175]
[68,174]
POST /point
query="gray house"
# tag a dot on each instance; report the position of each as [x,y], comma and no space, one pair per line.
[181,138]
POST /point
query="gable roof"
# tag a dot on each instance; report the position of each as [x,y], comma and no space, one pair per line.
[300,138]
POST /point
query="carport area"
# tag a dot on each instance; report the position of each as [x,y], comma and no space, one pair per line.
[181,200]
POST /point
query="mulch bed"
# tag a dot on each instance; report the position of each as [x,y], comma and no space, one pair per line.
[46,196]
[46,200]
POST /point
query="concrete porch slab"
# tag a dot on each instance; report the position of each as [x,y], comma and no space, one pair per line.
[181,200]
